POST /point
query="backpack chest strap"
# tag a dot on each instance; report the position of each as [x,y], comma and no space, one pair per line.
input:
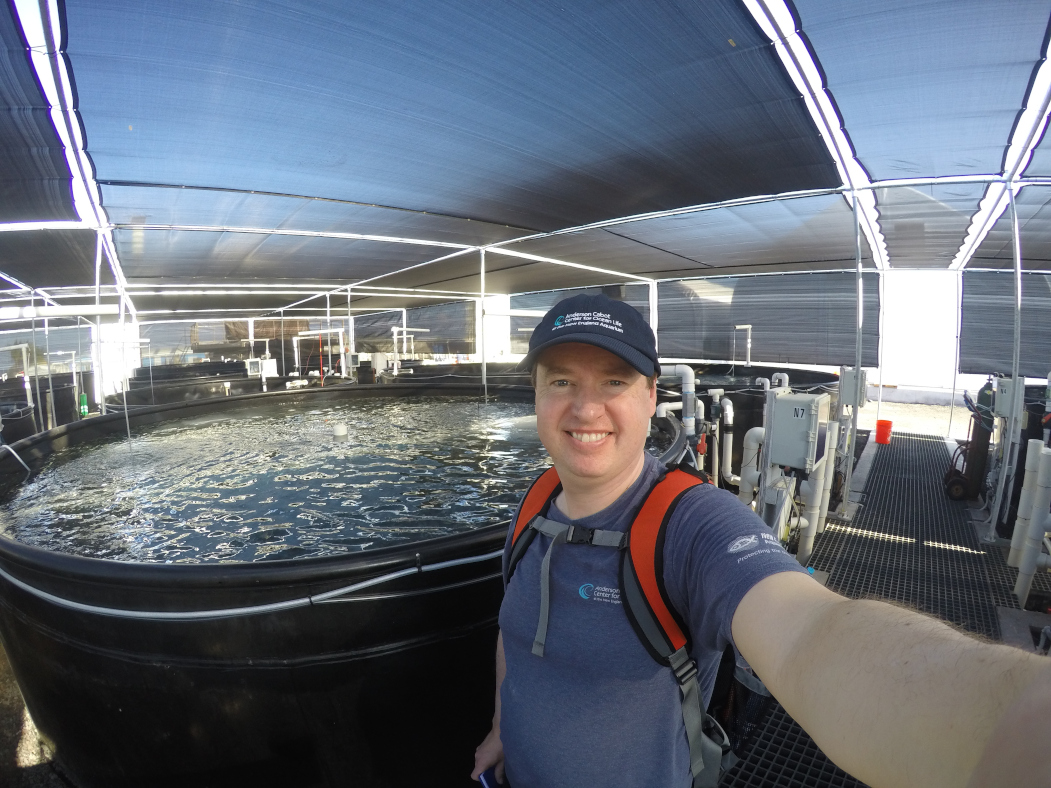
[564,534]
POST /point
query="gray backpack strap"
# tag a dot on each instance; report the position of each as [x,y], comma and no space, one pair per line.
[563,534]
[709,745]
[545,588]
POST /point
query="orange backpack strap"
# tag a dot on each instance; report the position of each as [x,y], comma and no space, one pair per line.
[536,502]
[657,623]
[661,629]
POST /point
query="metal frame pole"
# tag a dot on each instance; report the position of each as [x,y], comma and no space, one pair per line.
[882,312]
[350,326]
[36,367]
[653,294]
[328,325]
[481,324]
[284,369]
[956,363]
[860,295]
[52,417]
[1008,454]
[124,364]
[98,326]
[80,388]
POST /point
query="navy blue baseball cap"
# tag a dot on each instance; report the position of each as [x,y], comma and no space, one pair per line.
[600,321]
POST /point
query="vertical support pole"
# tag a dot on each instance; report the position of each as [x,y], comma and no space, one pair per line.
[153,397]
[653,310]
[1006,465]
[99,387]
[404,331]
[481,324]
[956,362]
[882,312]
[80,388]
[351,340]
[860,294]
[284,369]
[25,379]
[52,418]
[76,389]
[124,363]
[36,367]
[328,328]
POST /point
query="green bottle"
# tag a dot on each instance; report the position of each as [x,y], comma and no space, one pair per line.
[83,405]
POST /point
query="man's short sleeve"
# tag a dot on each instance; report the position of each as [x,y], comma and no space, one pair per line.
[716,549]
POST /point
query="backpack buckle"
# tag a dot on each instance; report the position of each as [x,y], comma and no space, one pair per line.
[686,672]
[578,534]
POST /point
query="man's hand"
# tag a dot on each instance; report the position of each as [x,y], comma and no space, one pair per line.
[489,753]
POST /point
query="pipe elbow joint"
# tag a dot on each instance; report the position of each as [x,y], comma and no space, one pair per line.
[728,411]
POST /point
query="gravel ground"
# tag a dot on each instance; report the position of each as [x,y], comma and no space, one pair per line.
[25,760]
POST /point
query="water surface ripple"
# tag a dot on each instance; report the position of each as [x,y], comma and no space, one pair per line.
[255,485]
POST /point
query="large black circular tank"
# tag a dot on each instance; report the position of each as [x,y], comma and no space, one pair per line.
[370,669]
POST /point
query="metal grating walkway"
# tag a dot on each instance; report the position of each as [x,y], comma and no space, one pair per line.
[908,543]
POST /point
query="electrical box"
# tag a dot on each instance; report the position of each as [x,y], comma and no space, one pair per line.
[798,430]
[261,367]
[1003,401]
[846,386]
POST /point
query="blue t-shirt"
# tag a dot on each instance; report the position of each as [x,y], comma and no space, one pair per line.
[597,711]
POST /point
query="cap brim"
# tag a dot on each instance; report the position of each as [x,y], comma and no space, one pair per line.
[639,361]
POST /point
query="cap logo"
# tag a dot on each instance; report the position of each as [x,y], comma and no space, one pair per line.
[597,319]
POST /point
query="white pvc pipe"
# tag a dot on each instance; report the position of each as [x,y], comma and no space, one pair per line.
[664,408]
[689,393]
[728,411]
[1031,549]
[728,442]
[765,383]
[779,376]
[1025,501]
[814,488]
[750,473]
[831,439]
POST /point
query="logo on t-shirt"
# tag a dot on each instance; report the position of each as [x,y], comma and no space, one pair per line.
[742,543]
[595,593]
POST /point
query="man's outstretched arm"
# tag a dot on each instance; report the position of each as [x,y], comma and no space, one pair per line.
[491,751]
[893,697]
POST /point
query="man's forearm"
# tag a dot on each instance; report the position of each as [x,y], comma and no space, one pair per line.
[501,671]
[894,697]
[1018,753]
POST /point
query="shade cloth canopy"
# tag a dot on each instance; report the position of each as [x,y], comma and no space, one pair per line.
[224,148]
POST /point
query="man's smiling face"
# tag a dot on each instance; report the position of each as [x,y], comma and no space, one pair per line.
[593,414]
